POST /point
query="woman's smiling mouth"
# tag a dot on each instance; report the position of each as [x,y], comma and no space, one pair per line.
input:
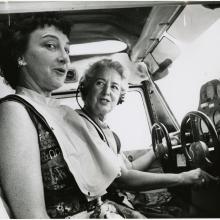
[104,101]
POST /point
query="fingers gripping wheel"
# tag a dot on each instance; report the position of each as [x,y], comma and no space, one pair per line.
[163,151]
[201,148]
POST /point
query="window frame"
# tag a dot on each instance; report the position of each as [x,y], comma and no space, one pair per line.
[132,88]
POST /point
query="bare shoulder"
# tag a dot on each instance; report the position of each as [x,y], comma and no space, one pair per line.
[15,123]
[12,110]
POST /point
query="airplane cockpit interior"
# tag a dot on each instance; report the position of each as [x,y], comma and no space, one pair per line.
[170,52]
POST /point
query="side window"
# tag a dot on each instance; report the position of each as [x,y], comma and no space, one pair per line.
[129,121]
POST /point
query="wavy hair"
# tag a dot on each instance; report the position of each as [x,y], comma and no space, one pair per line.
[14,41]
[100,67]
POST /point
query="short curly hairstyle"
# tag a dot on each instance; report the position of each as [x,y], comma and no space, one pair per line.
[14,41]
[99,67]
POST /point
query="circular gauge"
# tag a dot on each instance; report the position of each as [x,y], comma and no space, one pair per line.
[218,90]
[210,92]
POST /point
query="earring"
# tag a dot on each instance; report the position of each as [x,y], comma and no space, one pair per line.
[21,62]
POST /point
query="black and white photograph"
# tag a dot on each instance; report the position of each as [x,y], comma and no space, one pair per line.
[109,109]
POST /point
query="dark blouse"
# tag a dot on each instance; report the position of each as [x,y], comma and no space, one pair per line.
[62,195]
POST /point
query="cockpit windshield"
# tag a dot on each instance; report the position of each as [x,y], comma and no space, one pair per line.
[196,64]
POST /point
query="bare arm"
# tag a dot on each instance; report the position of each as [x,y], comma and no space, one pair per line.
[20,170]
[143,162]
[142,181]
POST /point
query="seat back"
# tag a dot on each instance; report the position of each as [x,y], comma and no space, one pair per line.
[208,199]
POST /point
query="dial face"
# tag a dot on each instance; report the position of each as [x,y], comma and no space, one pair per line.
[218,90]
[210,92]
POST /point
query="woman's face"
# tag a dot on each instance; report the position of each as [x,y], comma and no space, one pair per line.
[104,93]
[46,59]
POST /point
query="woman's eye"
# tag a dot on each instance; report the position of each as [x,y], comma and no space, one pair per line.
[51,46]
[100,83]
[115,87]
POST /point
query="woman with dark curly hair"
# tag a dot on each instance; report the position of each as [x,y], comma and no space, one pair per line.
[34,59]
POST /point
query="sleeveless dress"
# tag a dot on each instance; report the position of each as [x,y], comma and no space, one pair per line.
[63,198]
[62,195]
